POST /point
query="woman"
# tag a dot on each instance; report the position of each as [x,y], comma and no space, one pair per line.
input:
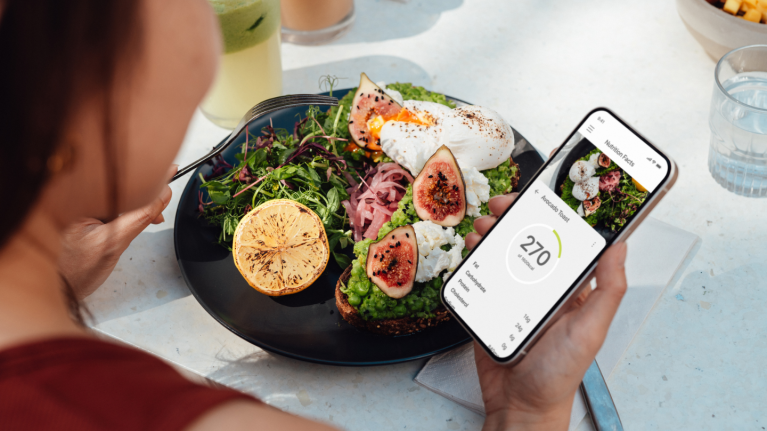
[95,97]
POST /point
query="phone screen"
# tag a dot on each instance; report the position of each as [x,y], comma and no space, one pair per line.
[558,226]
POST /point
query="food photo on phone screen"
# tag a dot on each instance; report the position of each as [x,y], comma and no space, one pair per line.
[604,173]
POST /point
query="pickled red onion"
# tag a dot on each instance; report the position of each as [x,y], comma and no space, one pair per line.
[372,203]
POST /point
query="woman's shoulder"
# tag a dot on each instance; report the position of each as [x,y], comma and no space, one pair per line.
[85,383]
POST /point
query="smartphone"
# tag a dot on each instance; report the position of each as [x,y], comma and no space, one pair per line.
[593,191]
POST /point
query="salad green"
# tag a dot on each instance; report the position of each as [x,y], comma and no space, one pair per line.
[275,167]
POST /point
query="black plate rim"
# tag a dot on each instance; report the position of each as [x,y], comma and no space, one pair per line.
[279,351]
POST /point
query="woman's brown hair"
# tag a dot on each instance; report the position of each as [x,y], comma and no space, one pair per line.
[53,55]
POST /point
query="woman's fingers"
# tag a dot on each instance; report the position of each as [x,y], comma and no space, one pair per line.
[584,295]
[498,204]
[484,223]
[472,240]
[171,172]
[129,225]
[599,308]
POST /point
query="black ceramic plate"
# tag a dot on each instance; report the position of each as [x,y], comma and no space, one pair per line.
[305,325]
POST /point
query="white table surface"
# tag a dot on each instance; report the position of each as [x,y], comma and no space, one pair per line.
[698,361]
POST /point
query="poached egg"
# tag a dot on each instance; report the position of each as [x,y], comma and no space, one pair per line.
[586,190]
[478,137]
[581,171]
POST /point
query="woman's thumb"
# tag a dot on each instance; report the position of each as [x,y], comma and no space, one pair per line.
[601,305]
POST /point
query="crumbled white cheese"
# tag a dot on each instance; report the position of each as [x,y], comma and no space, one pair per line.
[431,236]
[477,190]
[432,260]
[430,266]
[455,256]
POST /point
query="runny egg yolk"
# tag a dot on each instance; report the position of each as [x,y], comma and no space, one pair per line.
[374,127]
[376,123]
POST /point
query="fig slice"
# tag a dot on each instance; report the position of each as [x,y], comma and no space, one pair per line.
[393,261]
[370,102]
[603,160]
[439,192]
[591,206]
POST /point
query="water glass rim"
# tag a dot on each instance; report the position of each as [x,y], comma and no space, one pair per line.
[721,87]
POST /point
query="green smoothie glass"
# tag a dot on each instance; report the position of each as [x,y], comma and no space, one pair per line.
[251,68]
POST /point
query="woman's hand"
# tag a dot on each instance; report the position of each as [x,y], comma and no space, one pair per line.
[91,248]
[538,392]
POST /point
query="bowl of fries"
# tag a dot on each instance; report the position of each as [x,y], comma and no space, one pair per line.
[723,25]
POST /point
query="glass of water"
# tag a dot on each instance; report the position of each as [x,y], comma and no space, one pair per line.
[737,158]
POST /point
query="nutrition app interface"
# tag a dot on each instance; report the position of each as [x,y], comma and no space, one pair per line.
[556,229]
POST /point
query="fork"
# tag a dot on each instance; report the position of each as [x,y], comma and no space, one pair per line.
[258,111]
[599,402]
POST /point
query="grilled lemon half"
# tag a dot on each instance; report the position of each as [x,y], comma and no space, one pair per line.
[280,247]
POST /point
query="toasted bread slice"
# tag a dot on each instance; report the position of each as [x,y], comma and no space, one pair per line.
[401,326]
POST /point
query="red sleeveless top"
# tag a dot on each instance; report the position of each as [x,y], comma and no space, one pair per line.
[85,384]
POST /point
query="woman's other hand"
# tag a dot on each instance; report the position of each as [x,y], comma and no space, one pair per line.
[91,248]
[538,392]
